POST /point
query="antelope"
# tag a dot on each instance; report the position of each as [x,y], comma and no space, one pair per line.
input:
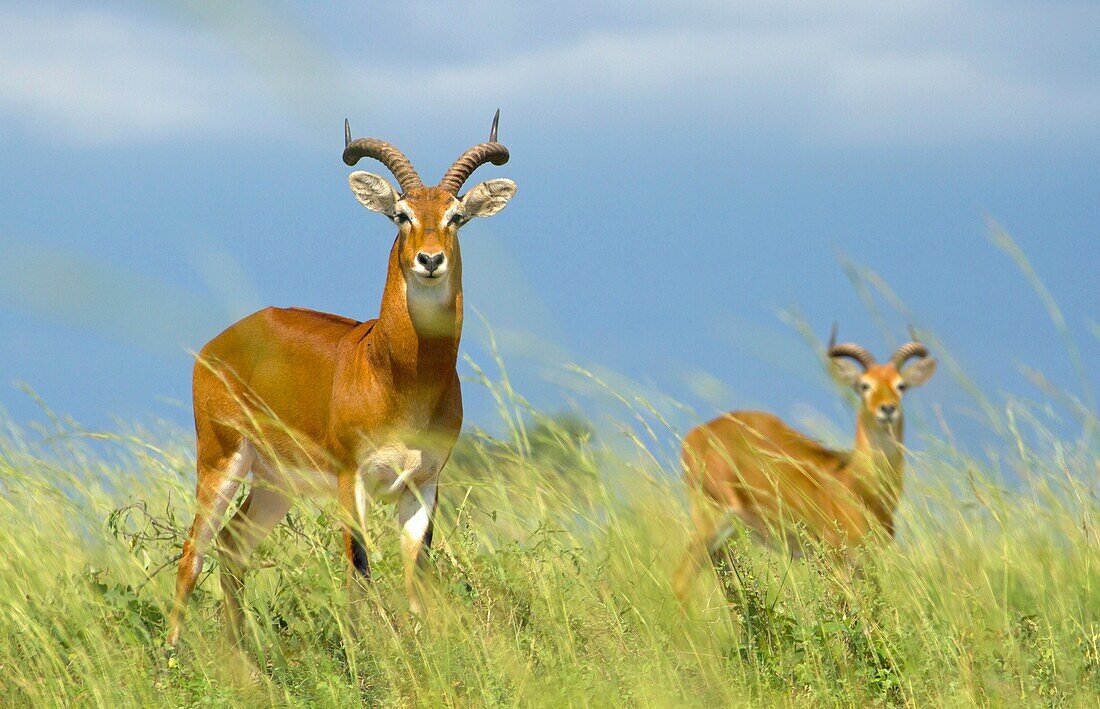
[320,406]
[753,467]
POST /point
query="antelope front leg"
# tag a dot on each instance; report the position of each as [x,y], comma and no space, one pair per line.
[416,514]
[354,502]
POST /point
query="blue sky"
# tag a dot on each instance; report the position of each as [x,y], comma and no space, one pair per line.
[686,175]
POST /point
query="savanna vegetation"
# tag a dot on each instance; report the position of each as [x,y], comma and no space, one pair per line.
[550,579]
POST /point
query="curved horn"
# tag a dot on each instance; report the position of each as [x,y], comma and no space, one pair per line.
[473,158]
[384,153]
[907,351]
[849,349]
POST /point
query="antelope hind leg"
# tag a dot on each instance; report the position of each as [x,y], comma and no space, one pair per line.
[217,484]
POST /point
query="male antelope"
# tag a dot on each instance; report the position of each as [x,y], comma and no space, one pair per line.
[752,466]
[321,405]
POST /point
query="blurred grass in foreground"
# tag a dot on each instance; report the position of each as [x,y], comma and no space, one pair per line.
[551,585]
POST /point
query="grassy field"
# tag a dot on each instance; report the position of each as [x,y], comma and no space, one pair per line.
[551,584]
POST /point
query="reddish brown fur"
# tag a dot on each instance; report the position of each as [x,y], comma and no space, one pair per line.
[312,390]
[753,466]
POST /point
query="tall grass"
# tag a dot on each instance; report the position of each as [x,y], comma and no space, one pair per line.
[549,583]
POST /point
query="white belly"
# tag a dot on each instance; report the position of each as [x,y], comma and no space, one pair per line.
[384,474]
[295,482]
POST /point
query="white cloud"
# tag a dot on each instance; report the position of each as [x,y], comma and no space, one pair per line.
[918,72]
[95,77]
[914,72]
[820,84]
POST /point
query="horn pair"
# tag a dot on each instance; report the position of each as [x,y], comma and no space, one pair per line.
[406,174]
[860,354]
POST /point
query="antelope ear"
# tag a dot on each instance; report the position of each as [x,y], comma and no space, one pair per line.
[919,372]
[488,198]
[373,192]
[845,372]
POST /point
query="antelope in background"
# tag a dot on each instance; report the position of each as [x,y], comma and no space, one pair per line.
[752,466]
[319,405]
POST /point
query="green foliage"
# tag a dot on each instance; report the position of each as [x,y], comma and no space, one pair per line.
[549,586]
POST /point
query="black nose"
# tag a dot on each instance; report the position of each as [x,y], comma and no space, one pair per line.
[430,262]
[888,409]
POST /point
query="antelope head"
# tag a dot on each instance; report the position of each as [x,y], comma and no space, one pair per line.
[428,218]
[880,386]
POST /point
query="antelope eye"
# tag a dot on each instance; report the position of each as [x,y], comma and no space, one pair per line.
[865,386]
[455,218]
[902,386]
[401,218]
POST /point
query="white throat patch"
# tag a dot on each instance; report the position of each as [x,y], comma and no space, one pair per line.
[430,306]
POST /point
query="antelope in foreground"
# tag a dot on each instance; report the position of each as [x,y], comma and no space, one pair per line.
[752,466]
[319,405]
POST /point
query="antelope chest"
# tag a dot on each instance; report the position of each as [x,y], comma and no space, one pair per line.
[387,471]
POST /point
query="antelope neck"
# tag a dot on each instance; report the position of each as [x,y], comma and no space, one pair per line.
[878,455]
[419,326]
